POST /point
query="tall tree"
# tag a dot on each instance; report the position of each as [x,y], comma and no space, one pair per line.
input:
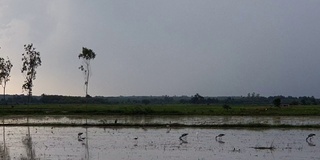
[30,61]
[5,69]
[87,55]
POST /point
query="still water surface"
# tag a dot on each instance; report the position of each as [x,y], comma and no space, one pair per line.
[116,143]
[187,120]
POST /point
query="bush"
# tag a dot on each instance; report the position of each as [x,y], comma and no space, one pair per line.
[227,107]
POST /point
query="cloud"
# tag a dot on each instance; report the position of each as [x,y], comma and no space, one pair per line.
[166,47]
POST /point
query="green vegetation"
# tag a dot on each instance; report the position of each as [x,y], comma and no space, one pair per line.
[174,109]
[176,125]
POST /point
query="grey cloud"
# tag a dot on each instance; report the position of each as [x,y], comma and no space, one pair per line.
[177,47]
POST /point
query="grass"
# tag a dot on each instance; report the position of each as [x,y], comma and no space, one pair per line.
[174,109]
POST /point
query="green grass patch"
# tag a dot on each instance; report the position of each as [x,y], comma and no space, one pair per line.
[172,109]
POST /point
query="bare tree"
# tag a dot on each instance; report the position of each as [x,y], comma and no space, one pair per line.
[87,55]
[30,61]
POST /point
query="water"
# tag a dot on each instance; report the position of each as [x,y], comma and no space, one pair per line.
[50,143]
[186,120]
[162,143]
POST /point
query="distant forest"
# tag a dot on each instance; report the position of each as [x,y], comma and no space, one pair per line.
[250,99]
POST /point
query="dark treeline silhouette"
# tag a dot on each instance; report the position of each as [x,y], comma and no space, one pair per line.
[146,100]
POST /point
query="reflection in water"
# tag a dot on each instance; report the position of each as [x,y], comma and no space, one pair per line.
[85,142]
[4,152]
[155,143]
[28,144]
[165,119]
[310,143]
[87,145]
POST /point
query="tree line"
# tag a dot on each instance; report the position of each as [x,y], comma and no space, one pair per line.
[277,101]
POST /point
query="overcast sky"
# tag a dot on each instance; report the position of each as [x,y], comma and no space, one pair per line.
[167,47]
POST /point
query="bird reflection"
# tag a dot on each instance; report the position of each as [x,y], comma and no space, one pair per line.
[220,141]
[311,144]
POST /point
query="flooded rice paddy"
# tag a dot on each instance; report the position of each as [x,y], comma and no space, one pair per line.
[165,119]
[147,143]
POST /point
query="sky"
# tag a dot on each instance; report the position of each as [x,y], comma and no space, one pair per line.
[166,47]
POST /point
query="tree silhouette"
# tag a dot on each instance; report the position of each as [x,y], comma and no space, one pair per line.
[197,99]
[87,55]
[30,61]
[277,102]
[5,69]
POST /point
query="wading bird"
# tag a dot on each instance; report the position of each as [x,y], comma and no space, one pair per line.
[182,136]
[80,139]
[219,136]
[310,136]
[168,128]
[79,134]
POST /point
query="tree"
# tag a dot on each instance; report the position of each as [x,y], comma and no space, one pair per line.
[87,55]
[277,102]
[30,61]
[5,69]
[197,99]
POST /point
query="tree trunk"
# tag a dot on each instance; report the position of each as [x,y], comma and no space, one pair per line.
[87,80]
[4,93]
[29,96]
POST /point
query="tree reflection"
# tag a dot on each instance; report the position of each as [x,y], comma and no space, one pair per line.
[28,144]
[4,152]
[87,145]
